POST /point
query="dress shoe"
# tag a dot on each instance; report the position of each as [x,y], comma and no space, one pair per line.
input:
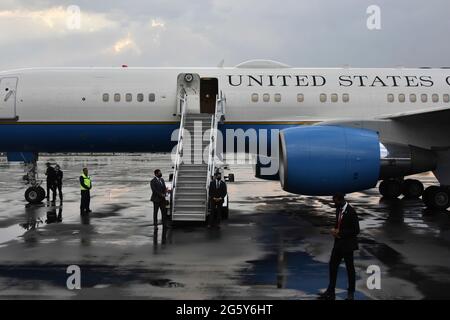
[327,295]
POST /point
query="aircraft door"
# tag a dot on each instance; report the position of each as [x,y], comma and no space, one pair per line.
[8,88]
[189,86]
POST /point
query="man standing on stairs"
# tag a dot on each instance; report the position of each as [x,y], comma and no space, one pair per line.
[217,194]
[158,198]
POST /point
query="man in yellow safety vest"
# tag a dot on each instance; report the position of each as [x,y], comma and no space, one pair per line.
[86,186]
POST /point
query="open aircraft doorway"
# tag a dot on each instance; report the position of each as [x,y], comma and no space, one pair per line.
[209,88]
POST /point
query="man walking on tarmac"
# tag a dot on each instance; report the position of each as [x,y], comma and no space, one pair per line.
[86,186]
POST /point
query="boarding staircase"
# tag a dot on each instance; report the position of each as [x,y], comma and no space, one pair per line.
[195,161]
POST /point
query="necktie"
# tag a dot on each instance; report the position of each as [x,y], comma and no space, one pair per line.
[341,215]
[217,184]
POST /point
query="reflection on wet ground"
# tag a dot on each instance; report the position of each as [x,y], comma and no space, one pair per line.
[275,245]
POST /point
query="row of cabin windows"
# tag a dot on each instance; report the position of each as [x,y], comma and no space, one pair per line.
[423,97]
[301,97]
[129,97]
[334,97]
[266,97]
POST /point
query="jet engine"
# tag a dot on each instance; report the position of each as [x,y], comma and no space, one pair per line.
[324,160]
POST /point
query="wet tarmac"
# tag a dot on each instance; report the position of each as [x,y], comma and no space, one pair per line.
[275,245]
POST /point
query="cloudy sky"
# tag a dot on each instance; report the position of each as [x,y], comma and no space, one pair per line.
[303,33]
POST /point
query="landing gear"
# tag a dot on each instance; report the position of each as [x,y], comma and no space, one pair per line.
[412,189]
[434,197]
[390,189]
[437,198]
[35,193]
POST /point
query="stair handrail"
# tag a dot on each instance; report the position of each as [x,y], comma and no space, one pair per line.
[183,102]
[213,144]
[220,106]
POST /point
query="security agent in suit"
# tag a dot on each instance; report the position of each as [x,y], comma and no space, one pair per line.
[345,233]
[51,181]
[217,194]
[158,198]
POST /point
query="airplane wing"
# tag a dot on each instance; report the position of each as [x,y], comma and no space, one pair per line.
[441,114]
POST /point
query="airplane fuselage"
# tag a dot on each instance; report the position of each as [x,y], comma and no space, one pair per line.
[66,109]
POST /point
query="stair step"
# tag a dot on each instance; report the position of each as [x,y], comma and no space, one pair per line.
[179,211]
[190,198]
[190,205]
[188,217]
[199,175]
[190,193]
[192,171]
[185,186]
[194,185]
[193,166]
[186,209]
[198,116]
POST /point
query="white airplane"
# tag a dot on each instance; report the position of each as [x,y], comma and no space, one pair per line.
[342,129]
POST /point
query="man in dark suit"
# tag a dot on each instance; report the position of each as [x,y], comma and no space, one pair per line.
[345,231]
[51,181]
[59,180]
[217,194]
[159,199]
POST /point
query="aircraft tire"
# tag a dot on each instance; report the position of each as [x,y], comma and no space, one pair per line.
[34,195]
[412,189]
[437,198]
[390,189]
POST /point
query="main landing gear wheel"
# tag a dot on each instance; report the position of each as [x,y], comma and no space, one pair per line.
[412,189]
[390,189]
[437,198]
[35,195]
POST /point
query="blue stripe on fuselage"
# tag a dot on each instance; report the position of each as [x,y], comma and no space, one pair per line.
[80,137]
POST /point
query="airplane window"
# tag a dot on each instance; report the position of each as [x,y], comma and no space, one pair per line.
[255,97]
[323,97]
[105,97]
[300,97]
[390,97]
[424,98]
[346,97]
[412,97]
[277,97]
[117,97]
[446,98]
[334,97]
[140,97]
[401,97]
[435,97]
[266,97]
[151,97]
[128,97]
